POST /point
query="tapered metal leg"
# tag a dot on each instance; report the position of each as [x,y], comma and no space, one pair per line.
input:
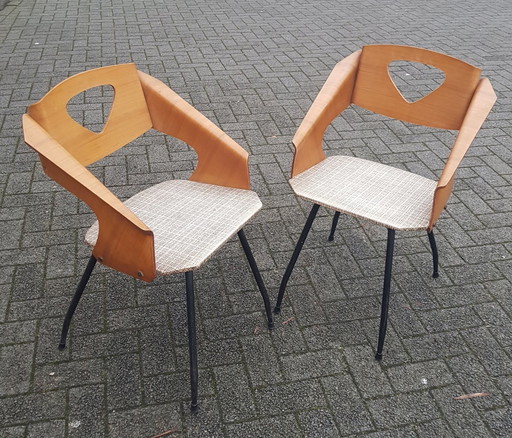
[74,302]
[385,293]
[435,257]
[295,256]
[192,339]
[334,225]
[257,277]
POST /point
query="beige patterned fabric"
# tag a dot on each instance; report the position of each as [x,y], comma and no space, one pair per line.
[382,194]
[190,220]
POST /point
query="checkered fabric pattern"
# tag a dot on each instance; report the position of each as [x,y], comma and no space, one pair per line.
[190,220]
[382,194]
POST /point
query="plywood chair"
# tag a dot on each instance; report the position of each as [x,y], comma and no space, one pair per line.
[391,197]
[172,227]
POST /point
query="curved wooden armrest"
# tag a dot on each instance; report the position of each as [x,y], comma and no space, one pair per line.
[221,160]
[333,98]
[124,242]
[481,104]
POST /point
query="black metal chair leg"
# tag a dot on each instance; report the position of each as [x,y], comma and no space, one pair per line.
[385,293]
[334,225]
[295,256]
[74,302]
[435,256]
[192,339]
[257,277]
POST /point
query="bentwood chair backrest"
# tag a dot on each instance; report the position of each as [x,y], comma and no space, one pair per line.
[169,228]
[128,119]
[461,103]
[140,102]
[382,194]
[444,108]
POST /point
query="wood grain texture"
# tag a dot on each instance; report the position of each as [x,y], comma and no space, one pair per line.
[444,108]
[124,242]
[462,102]
[481,104]
[221,160]
[141,102]
[128,119]
[333,98]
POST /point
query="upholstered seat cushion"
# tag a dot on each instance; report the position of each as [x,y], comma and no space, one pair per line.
[383,194]
[190,220]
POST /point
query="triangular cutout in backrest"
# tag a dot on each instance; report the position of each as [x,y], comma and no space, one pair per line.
[91,108]
[415,80]
[128,119]
[443,108]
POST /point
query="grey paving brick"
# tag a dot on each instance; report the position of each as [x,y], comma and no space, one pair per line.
[306,306]
[318,423]
[290,397]
[495,360]
[472,377]
[155,353]
[145,421]
[87,416]
[403,409]
[236,400]
[341,334]
[462,294]
[5,291]
[233,325]
[13,432]
[104,344]
[206,422]
[222,352]
[283,426]
[418,289]
[407,321]
[500,422]
[436,345]
[48,340]
[450,319]
[313,364]
[261,360]
[124,381]
[350,412]
[175,387]
[38,308]
[68,374]
[46,429]
[419,376]
[16,332]
[367,373]
[402,432]
[32,407]
[432,429]
[137,317]
[287,336]
[17,365]
[351,310]
[459,414]
[91,318]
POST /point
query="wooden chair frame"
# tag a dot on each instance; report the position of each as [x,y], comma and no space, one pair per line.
[141,102]
[462,102]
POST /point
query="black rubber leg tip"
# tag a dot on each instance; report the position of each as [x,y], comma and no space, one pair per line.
[331,238]
[271,325]
[277,310]
[378,356]
[62,347]
[435,275]
[194,408]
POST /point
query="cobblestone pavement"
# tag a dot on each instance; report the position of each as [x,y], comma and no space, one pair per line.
[254,68]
